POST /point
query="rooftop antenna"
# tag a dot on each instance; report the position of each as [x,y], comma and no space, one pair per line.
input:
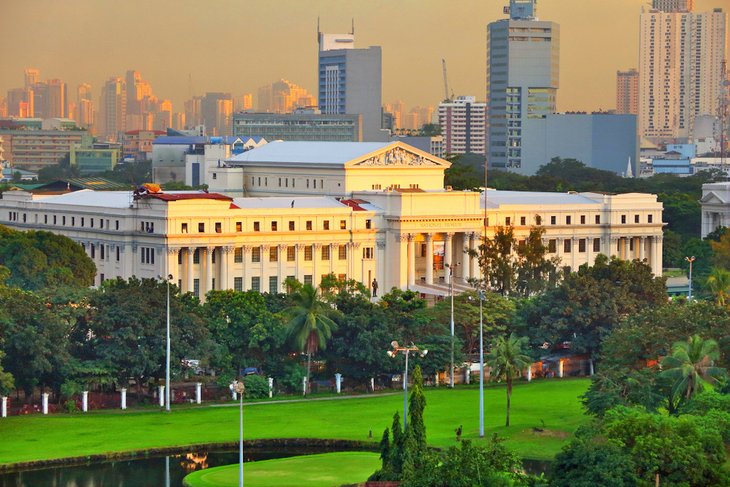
[352,32]
[318,31]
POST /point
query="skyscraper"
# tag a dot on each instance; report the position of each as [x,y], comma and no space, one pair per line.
[522,78]
[463,124]
[56,99]
[32,76]
[283,96]
[84,106]
[680,70]
[350,81]
[627,91]
[113,109]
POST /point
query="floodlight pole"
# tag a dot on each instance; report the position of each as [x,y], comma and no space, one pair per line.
[167,348]
[481,364]
[392,353]
[690,260]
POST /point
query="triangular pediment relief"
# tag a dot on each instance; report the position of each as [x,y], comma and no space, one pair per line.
[712,197]
[399,155]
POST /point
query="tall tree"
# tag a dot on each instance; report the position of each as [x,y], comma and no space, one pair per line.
[310,325]
[718,283]
[507,359]
[691,366]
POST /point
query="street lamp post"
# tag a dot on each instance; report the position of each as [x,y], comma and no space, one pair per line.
[451,320]
[167,347]
[481,363]
[690,260]
[239,389]
[392,353]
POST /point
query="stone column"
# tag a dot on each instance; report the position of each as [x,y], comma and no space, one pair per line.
[316,254]
[271,387]
[338,382]
[189,286]
[473,261]
[613,247]
[198,392]
[448,237]
[355,272]
[334,255]
[411,260]
[658,256]
[161,396]
[84,401]
[529,373]
[244,267]
[44,402]
[208,269]
[281,263]
[429,258]
[642,248]
[589,249]
[573,252]
[171,265]
[225,265]
[298,261]
[265,268]
[123,398]
[3,407]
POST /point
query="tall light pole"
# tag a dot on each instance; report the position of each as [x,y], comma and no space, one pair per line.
[481,363]
[167,347]
[239,389]
[451,294]
[392,353]
[690,260]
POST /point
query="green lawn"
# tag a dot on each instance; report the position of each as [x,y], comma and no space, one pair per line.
[326,470]
[555,402]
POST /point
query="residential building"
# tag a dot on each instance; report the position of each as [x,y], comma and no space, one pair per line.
[95,158]
[404,237]
[680,71]
[300,125]
[283,96]
[112,119]
[137,144]
[522,79]
[32,77]
[20,103]
[216,110]
[350,82]
[85,112]
[673,5]
[35,149]
[463,123]
[627,92]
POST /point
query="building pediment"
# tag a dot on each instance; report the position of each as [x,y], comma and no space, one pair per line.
[398,155]
[712,198]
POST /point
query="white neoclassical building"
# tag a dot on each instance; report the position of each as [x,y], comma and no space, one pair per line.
[715,206]
[307,209]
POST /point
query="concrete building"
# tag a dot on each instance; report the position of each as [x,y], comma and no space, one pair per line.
[627,92]
[137,144]
[463,123]
[601,140]
[301,125]
[112,121]
[680,70]
[85,113]
[34,149]
[673,5]
[95,158]
[283,96]
[403,237]
[350,82]
[216,112]
[715,207]
[522,79]
[434,144]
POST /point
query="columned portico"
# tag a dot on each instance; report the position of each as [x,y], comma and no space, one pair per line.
[429,258]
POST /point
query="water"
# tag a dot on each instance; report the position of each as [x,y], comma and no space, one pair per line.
[161,471]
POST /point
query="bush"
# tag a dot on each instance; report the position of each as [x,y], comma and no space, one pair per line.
[257,387]
[585,463]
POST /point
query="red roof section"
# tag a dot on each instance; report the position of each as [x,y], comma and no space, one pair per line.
[136,132]
[188,196]
[355,204]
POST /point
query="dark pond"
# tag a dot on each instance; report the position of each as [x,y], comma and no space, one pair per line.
[165,471]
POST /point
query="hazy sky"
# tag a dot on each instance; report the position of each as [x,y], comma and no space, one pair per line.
[239,45]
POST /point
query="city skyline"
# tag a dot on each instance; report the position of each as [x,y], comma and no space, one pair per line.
[179,67]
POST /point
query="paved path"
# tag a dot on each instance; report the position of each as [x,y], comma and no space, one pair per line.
[289,401]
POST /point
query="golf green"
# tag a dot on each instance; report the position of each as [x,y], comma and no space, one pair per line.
[325,470]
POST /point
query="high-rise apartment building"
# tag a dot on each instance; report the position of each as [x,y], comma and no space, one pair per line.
[56,99]
[627,92]
[84,106]
[283,96]
[350,81]
[20,103]
[32,76]
[522,78]
[463,124]
[113,109]
[680,71]
[216,110]
[673,5]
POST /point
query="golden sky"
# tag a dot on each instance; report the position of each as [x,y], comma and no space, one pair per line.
[240,45]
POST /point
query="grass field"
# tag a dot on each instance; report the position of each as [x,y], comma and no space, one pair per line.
[556,402]
[323,470]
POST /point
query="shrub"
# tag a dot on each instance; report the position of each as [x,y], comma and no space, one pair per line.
[257,387]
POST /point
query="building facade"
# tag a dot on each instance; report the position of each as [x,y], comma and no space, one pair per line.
[32,150]
[463,123]
[350,82]
[627,92]
[112,120]
[715,207]
[403,237]
[522,79]
[301,125]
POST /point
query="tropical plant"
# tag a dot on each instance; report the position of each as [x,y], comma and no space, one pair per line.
[310,325]
[507,359]
[691,366]
[718,283]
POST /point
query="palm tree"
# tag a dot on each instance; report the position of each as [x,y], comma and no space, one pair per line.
[691,366]
[719,284]
[310,325]
[507,359]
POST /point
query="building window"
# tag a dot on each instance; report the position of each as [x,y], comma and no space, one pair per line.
[273,253]
[45,219]
[308,252]
[309,224]
[523,221]
[538,220]
[367,253]
[343,224]
[239,226]
[623,218]
[291,225]
[636,218]
[650,218]
[54,219]
[567,245]
[212,255]
[63,220]
[508,221]
[596,244]
[212,284]
[196,288]
[582,219]
[201,227]
[93,251]
[325,252]
[179,257]
[83,221]
[308,279]
[73,221]
[184,228]
[238,255]
[568,219]
[342,252]
[119,256]
[552,246]
[368,224]
[196,256]
[238,284]
[291,253]
[102,251]
[598,219]
[256,284]
[582,245]
[91,222]
[117,225]
[273,284]
[325,224]
[274,226]
[256,226]
[256,254]
[218,227]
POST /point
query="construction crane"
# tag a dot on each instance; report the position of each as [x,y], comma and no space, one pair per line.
[446,83]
